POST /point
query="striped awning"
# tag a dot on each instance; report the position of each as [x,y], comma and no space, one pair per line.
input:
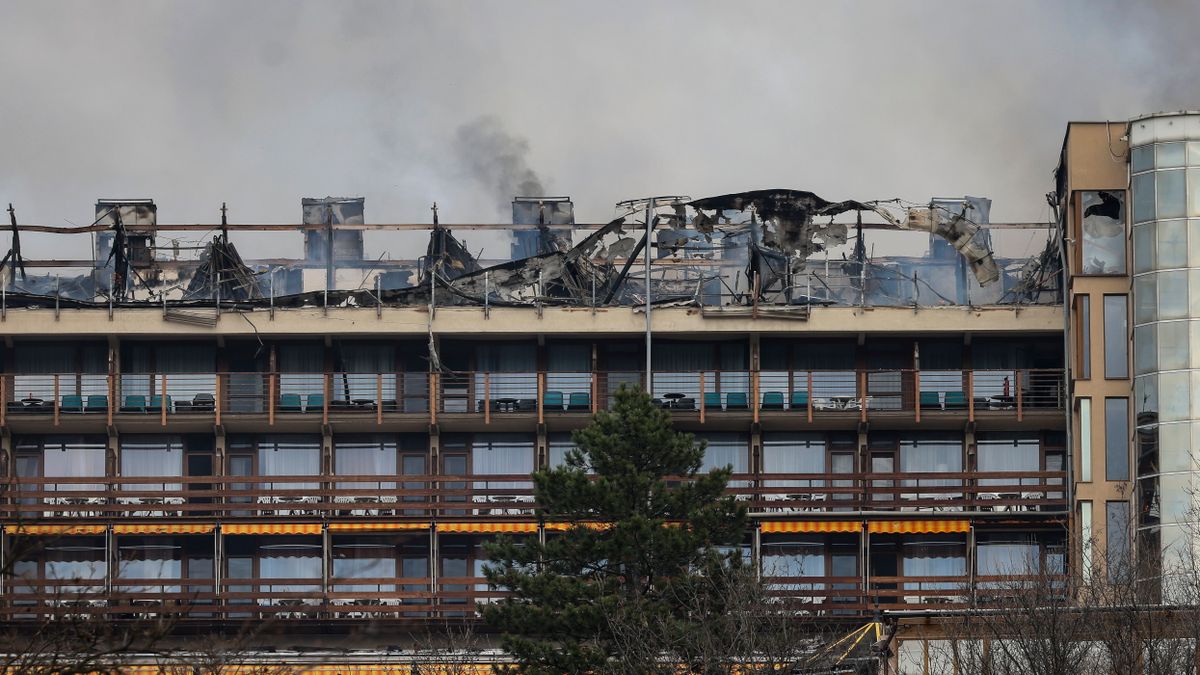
[553,527]
[918,526]
[342,669]
[376,527]
[164,528]
[55,529]
[487,527]
[812,526]
[272,528]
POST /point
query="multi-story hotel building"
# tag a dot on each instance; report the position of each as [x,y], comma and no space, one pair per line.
[915,402]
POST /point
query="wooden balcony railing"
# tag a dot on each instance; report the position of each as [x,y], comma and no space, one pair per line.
[430,496]
[800,395]
[424,598]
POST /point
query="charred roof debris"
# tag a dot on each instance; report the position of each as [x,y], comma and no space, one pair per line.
[778,251]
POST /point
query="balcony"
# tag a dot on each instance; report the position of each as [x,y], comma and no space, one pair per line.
[309,498]
[779,399]
[417,599]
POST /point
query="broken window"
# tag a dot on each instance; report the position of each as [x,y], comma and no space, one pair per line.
[1102,249]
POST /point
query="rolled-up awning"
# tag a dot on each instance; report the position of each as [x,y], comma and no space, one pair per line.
[165,528]
[487,527]
[272,528]
[376,527]
[812,526]
[55,529]
[918,526]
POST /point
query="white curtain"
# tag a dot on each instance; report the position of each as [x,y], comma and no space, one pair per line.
[725,449]
[73,458]
[82,558]
[931,455]
[149,561]
[493,454]
[151,457]
[290,456]
[1005,558]
[794,453]
[1008,453]
[559,445]
[794,559]
[365,457]
[290,561]
[935,559]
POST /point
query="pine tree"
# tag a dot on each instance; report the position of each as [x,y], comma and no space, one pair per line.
[644,527]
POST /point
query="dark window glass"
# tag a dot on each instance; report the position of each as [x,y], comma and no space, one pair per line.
[1084,316]
[1116,338]
[1116,539]
[1116,438]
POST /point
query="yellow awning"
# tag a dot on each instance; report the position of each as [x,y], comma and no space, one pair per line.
[487,527]
[812,526]
[566,526]
[272,528]
[918,526]
[164,528]
[376,527]
[55,529]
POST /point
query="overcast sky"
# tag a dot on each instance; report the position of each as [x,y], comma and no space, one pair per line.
[257,104]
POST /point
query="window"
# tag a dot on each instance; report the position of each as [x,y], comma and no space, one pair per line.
[1086,534]
[1102,249]
[1117,540]
[365,456]
[932,454]
[1001,556]
[1172,294]
[1169,189]
[1116,337]
[289,456]
[63,457]
[152,456]
[502,454]
[1085,440]
[1009,453]
[934,558]
[1083,336]
[559,444]
[1172,244]
[1116,438]
[144,558]
[290,560]
[1143,198]
[793,453]
[724,450]
[1143,248]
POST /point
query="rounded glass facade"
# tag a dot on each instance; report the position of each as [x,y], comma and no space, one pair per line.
[1164,169]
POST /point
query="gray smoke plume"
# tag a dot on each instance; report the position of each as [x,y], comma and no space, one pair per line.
[496,160]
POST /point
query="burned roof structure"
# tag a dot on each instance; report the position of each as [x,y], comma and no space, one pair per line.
[761,248]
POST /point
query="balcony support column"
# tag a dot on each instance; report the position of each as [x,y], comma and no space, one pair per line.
[434,562]
[6,455]
[756,551]
[541,448]
[971,565]
[112,457]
